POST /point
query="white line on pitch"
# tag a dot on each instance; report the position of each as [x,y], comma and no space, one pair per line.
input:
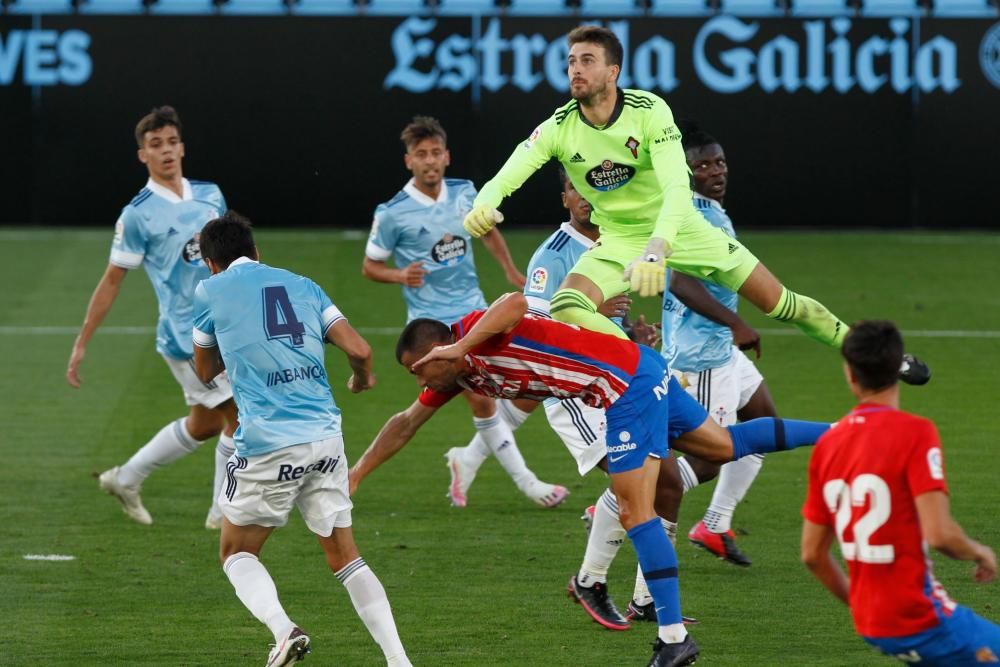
[50,557]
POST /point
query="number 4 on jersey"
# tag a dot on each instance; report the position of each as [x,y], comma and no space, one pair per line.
[279,317]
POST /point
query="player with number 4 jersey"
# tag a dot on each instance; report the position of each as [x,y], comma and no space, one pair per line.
[877,486]
[269,325]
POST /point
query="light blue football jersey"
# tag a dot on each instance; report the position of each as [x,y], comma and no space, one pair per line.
[269,325]
[159,231]
[551,264]
[692,342]
[412,227]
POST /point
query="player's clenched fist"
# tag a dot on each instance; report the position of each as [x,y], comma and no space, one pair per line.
[647,273]
[481,220]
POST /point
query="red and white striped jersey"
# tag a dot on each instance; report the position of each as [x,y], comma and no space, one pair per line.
[540,358]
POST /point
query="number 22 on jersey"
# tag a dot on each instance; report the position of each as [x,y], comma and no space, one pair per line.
[841,498]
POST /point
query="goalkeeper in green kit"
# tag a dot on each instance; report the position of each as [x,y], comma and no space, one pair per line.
[622,152]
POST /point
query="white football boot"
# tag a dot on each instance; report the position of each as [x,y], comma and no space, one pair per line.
[128,496]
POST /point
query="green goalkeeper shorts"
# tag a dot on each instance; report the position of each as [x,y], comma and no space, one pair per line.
[699,249]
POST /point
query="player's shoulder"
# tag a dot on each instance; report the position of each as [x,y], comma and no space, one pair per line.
[641,99]
[201,189]
[399,198]
[459,183]
[568,110]
[141,199]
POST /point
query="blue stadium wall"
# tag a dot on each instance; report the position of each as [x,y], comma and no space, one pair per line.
[882,113]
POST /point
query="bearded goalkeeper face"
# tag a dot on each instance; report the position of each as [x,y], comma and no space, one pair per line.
[591,78]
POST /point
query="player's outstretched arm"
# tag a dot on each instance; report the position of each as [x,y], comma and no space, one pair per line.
[816,542]
[207,362]
[495,243]
[359,355]
[944,534]
[527,158]
[100,304]
[502,316]
[693,294]
[398,431]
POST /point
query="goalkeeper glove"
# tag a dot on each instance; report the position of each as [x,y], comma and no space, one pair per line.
[647,274]
[481,220]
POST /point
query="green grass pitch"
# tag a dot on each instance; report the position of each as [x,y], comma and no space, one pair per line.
[473,586]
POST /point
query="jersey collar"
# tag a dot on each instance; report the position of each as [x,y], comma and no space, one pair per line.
[711,202]
[168,194]
[411,189]
[571,231]
[242,260]
[619,105]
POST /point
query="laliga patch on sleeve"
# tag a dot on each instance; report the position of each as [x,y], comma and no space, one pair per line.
[934,463]
[374,233]
[533,138]
[539,278]
[119,231]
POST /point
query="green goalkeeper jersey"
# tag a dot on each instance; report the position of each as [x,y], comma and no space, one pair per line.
[632,171]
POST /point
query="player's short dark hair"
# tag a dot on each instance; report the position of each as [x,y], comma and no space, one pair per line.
[614,54]
[158,118]
[420,128]
[227,238]
[420,333]
[693,136]
[874,351]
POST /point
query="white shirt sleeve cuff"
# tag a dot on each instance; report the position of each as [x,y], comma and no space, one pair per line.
[126,260]
[202,339]
[331,316]
[538,306]
[377,253]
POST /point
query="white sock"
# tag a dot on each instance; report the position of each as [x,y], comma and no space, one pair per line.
[225,448]
[688,478]
[673,633]
[372,605]
[500,439]
[255,589]
[475,453]
[606,537]
[171,443]
[640,593]
[511,414]
[735,479]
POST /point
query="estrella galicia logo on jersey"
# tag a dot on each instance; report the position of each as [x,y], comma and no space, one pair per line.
[633,145]
[989,55]
[609,176]
[450,250]
[539,278]
[192,249]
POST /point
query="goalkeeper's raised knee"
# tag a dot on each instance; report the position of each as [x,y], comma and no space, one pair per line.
[574,307]
[810,316]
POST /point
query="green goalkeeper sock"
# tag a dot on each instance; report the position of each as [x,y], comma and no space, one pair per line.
[810,316]
[574,307]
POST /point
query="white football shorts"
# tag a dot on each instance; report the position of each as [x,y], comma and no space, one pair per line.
[725,390]
[582,429]
[209,394]
[261,490]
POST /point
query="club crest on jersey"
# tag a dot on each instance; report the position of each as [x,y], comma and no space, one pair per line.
[539,278]
[609,176]
[450,250]
[192,249]
[633,145]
